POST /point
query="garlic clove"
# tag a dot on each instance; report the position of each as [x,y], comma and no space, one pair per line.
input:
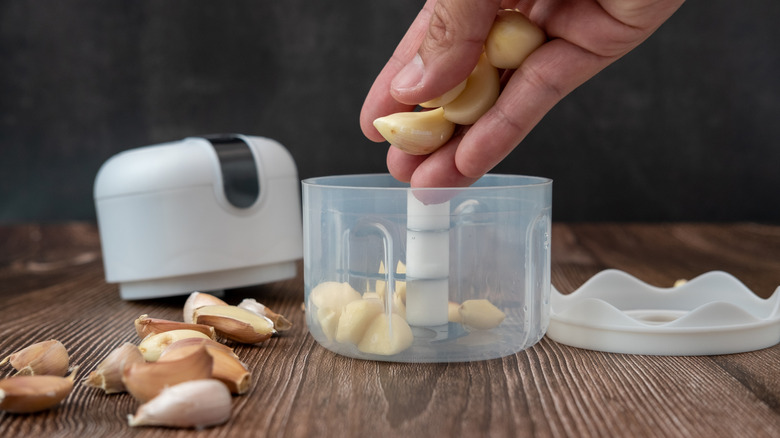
[332,294]
[227,367]
[447,97]
[281,323]
[153,345]
[417,132]
[479,96]
[453,312]
[108,374]
[145,380]
[42,358]
[511,39]
[188,342]
[328,320]
[27,394]
[329,298]
[480,314]
[386,335]
[355,318]
[199,299]
[146,326]
[235,323]
[196,404]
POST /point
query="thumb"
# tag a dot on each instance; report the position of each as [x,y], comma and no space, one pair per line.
[449,50]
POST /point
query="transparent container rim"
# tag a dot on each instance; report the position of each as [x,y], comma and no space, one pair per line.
[329,181]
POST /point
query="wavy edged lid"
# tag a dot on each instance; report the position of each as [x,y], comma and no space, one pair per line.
[714,313]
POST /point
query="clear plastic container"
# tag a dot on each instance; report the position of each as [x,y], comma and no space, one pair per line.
[426,275]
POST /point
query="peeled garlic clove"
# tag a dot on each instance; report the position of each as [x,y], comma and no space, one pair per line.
[146,326]
[281,323]
[328,320]
[227,367]
[355,318]
[153,345]
[334,295]
[42,358]
[26,394]
[329,298]
[511,39]
[480,314]
[445,98]
[418,132]
[386,335]
[372,296]
[199,299]
[145,380]
[108,374]
[235,323]
[196,403]
[479,96]
[453,312]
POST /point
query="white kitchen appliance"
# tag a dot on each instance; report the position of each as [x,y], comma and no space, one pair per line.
[204,213]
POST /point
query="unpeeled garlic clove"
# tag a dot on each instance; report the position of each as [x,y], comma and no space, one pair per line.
[417,132]
[227,367]
[199,299]
[153,345]
[108,374]
[42,358]
[146,326]
[27,394]
[145,380]
[480,314]
[196,403]
[511,39]
[478,97]
[281,323]
[235,323]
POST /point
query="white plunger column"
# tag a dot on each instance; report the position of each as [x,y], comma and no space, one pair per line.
[427,262]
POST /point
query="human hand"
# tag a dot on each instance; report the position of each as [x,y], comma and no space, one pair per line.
[442,47]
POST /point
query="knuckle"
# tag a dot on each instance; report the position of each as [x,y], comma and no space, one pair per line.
[440,30]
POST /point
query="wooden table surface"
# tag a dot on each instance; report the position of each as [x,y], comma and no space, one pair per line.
[52,286]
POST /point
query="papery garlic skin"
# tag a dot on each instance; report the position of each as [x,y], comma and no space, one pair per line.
[153,345]
[199,299]
[145,380]
[27,394]
[49,358]
[227,367]
[235,323]
[192,404]
[280,322]
[145,326]
[108,374]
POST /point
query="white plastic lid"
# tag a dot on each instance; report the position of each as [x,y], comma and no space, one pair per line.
[711,314]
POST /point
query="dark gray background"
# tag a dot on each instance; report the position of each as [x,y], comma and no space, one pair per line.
[683,128]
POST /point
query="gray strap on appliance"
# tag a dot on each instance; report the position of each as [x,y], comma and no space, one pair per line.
[240,176]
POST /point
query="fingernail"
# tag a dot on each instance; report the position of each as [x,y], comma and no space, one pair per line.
[410,76]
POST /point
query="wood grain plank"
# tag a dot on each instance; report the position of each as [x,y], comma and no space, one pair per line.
[299,389]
